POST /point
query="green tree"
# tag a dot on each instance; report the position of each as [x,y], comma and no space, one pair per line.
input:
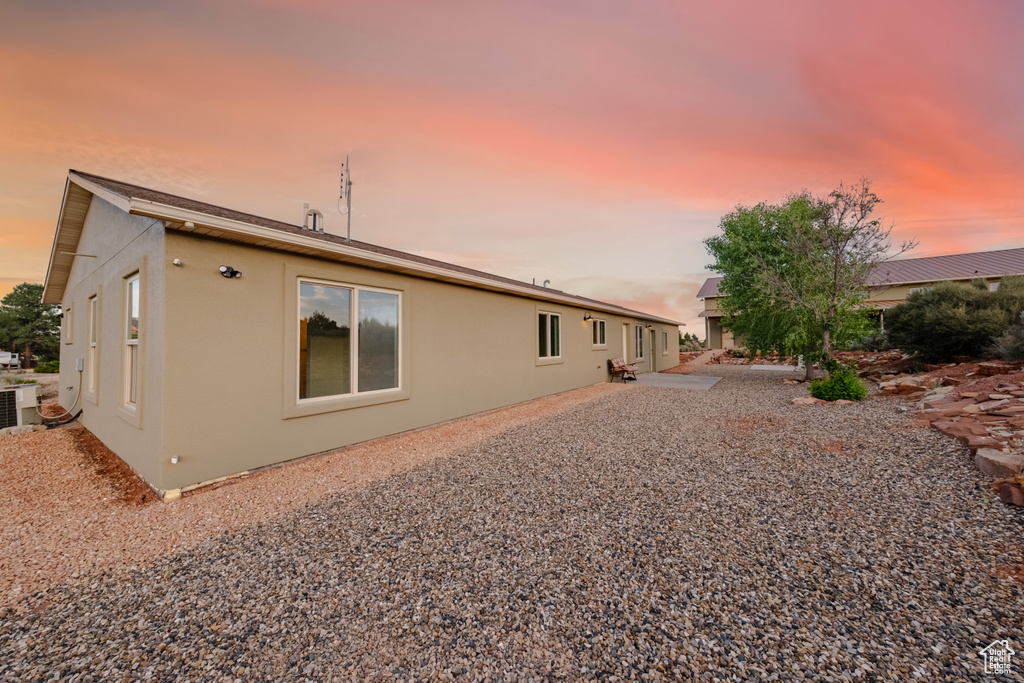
[28,325]
[795,274]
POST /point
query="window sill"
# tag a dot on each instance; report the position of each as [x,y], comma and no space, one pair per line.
[555,360]
[599,347]
[318,406]
[130,414]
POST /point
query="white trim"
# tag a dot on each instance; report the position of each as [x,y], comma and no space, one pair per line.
[550,358]
[604,326]
[353,341]
[92,346]
[130,373]
[68,318]
[638,342]
[120,201]
[361,256]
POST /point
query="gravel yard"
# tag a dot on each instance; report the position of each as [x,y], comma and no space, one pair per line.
[649,532]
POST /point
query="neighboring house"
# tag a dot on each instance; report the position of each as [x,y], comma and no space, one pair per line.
[889,285]
[201,342]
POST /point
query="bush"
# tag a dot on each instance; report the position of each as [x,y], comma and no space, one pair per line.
[842,383]
[955,319]
[48,366]
[8,380]
[873,343]
[1010,344]
[740,352]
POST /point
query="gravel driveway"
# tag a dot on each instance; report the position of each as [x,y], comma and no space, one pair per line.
[655,533]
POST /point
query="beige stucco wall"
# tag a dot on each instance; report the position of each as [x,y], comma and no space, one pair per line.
[229,397]
[121,244]
[901,292]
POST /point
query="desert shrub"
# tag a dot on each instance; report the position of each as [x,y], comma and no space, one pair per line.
[875,342]
[740,352]
[955,319]
[1010,344]
[7,380]
[841,383]
[48,366]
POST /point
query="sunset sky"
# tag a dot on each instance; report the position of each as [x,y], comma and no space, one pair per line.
[592,143]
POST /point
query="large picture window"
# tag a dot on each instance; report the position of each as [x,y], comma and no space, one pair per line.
[131,353]
[549,340]
[332,360]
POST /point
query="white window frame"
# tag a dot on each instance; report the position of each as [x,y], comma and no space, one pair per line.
[638,342]
[664,348]
[549,358]
[69,324]
[131,371]
[353,340]
[92,345]
[599,328]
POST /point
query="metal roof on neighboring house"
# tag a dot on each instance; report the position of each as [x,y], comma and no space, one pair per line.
[189,215]
[709,288]
[980,264]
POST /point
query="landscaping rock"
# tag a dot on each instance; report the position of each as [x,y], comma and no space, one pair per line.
[999,463]
[998,368]
[1011,493]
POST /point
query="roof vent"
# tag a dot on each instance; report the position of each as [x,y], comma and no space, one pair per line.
[318,219]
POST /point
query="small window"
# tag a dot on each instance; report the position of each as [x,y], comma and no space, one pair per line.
[132,331]
[915,290]
[91,351]
[69,324]
[639,342]
[549,335]
[993,286]
[664,342]
[598,333]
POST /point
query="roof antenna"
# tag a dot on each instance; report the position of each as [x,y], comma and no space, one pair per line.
[345,195]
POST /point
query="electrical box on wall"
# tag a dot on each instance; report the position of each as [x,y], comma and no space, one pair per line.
[80,364]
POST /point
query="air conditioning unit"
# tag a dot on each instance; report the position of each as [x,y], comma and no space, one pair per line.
[18,405]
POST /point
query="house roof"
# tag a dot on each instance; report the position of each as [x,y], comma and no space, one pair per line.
[189,215]
[983,264]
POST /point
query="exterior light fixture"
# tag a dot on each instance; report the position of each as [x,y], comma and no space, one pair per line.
[587,316]
[228,271]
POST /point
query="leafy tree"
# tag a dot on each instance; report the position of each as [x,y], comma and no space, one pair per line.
[955,318]
[28,324]
[795,274]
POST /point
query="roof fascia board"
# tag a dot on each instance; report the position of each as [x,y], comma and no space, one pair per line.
[163,211]
[120,201]
[53,248]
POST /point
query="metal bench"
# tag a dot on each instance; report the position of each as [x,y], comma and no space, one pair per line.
[619,368]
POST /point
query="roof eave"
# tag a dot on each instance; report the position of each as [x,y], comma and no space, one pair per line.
[177,217]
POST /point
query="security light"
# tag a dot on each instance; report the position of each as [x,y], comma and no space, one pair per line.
[228,271]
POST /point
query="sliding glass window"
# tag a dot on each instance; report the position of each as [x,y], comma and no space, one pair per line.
[333,361]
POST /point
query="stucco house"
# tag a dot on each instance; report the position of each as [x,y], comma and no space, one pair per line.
[890,284]
[201,342]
